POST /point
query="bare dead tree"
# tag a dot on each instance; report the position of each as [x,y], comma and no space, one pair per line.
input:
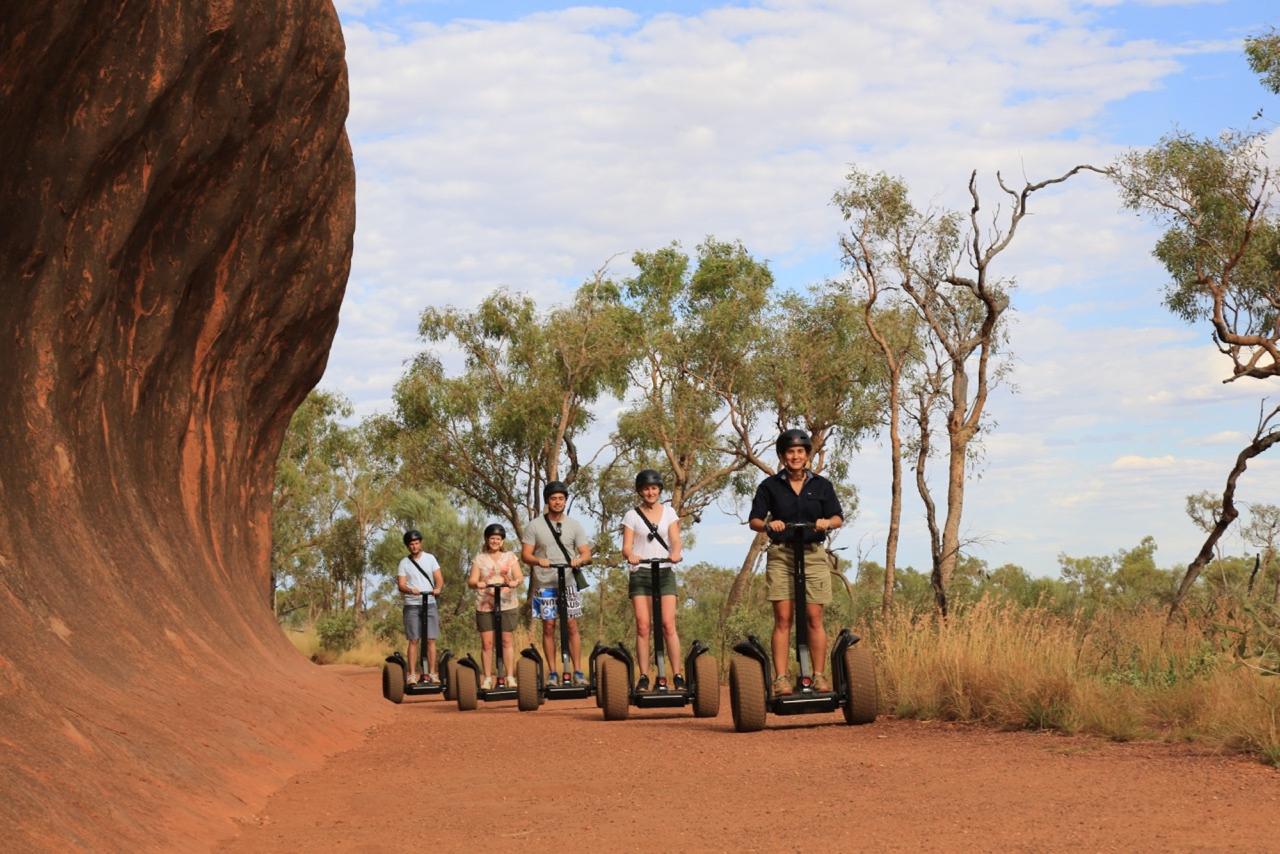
[1266,435]
[964,313]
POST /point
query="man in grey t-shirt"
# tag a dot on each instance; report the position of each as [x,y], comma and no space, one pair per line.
[540,550]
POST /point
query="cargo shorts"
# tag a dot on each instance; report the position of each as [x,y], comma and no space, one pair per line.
[817,573]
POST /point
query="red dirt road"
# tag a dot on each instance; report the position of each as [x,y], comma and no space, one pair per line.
[561,778]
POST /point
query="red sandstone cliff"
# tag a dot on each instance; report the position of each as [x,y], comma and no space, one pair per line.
[176,215]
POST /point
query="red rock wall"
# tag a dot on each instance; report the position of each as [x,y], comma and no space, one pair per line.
[176,216]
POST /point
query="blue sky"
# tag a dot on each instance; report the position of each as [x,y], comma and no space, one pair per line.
[524,144]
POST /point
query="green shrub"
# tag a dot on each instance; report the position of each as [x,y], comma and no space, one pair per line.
[337,631]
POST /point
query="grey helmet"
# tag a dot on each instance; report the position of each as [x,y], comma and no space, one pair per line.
[412,534]
[554,487]
[495,528]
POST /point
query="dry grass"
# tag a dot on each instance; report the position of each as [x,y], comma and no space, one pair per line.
[370,650]
[1119,676]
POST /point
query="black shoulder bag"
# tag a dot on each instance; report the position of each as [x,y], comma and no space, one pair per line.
[579,577]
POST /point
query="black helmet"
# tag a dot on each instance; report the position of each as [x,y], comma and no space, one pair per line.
[412,534]
[648,477]
[791,438]
[553,487]
[495,528]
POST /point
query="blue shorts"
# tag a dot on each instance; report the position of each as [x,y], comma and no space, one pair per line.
[544,602]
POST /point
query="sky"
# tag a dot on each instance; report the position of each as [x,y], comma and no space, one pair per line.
[526,144]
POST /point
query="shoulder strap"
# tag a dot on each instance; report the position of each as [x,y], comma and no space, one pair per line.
[432,591]
[653,530]
[556,534]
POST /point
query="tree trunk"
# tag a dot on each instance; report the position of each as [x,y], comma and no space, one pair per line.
[930,509]
[758,545]
[895,496]
[950,550]
[357,604]
[1229,512]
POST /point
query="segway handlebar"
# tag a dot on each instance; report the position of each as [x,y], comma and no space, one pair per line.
[567,565]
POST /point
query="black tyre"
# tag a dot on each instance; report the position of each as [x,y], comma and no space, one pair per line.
[862,698]
[526,685]
[393,682]
[614,689]
[468,689]
[706,676]
[747,694]
[451,680]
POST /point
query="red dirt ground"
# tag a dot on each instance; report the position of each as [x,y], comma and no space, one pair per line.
[562,778]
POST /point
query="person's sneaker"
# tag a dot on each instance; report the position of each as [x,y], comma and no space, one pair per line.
[578,678]
[553,679]
[411,679]
[821,682]
[432,679]
[486,684]
[678,681]
[511,681]
[643,683]
[782,685]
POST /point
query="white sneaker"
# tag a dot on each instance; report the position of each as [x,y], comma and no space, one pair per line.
[511,681]
[411,679]
[486,684]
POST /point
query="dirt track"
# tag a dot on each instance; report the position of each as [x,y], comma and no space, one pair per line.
[562,778]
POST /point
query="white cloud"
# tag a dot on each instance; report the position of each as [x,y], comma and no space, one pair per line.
[1135,461]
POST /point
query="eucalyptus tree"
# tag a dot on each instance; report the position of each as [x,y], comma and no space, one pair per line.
[304,499]
[509,420]
[1217,202]
[962,304]
[887,242]
[693,328]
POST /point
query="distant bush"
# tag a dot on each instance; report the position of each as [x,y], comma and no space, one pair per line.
[337,631]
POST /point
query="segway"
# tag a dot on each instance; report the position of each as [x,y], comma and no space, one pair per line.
[469,690]
[853,675]
[531,686]
[393,687]
[617,670]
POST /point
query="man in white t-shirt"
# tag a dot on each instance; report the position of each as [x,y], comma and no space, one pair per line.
[649,531]
[540,549]
[419,578]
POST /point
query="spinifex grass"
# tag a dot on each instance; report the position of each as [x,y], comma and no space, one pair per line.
[1119,675]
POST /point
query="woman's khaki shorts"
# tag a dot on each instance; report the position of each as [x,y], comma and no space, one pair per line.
[484,620]
[817,574]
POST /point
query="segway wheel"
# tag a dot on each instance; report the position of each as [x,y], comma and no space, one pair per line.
[468,689]
[862,699]
[747,694]
[706,676]
[613,688]
[393,682]
[526,685]
[451,680]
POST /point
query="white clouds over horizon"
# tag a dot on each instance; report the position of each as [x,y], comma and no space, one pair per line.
[525,153]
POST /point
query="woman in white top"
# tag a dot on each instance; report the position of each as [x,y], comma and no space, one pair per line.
[652,530]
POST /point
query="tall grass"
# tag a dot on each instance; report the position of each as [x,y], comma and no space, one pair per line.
[370,649]
[1119,675]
